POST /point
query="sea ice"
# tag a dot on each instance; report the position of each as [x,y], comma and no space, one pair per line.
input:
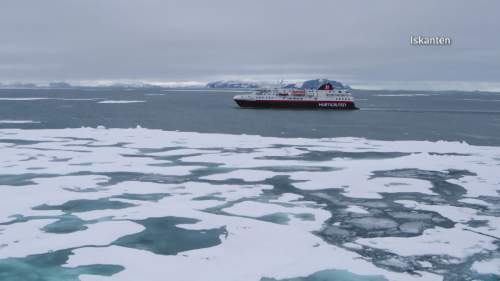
[121,101]
[487,266]
[18,122]
[455,242]
[150,174]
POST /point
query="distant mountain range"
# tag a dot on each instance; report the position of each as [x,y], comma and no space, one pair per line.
[223,84]
[66,85]
[232,84]
[316,83]
[309,84]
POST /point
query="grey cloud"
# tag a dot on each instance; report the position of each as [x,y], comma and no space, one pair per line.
[201,40]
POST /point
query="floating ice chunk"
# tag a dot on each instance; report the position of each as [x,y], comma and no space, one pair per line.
[425,264]
[357,181]
[252,250]
[357,209]
[455,242]
[246,175]
[396,262]
[487,266]
[23,239]
[180,152]
[457,214]
[55,190]
[373,223]
[411,215]
[259,209]
[18,122]
[412,227]
[481,185]
[181,203]
[245,159]
[354,246]
[474,201]
[48,98]
[403,95]
[98,158]
[334,232]
[287,198]
[122,101]
[156,138]
[22,99]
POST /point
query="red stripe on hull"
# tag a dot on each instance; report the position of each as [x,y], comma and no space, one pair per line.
[339,105]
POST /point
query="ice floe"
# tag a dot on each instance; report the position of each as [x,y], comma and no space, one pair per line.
[487,266]
[22,239]
[281,207]
[18,122]
[22,99]
[357,209]
[251,251]
[48,98]
[403,95]
[455,242]
[121,101]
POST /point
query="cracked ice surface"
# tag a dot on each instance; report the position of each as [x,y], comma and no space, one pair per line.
[235,207]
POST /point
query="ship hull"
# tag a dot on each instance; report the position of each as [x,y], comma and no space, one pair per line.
[331,105]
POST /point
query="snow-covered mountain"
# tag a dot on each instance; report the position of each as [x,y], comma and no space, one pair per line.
[221,84]
[316,83]
[309,84]
[233,84]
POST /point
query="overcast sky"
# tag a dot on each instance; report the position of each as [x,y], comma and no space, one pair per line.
[365,43]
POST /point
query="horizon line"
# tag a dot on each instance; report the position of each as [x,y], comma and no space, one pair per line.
[466,86]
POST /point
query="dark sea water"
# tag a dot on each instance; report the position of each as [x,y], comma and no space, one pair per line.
[152,184]
[473,117]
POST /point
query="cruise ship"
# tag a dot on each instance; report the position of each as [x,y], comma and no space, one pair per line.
[325,97]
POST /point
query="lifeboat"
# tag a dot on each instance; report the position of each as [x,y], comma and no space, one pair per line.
[298,92]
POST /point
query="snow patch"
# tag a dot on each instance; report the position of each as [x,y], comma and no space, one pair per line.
[18,122]
[121,101]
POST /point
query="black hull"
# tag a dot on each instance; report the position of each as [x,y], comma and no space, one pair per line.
[297,104]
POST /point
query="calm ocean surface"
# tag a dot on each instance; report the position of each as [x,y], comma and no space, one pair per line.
[473,117]
[154,185]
